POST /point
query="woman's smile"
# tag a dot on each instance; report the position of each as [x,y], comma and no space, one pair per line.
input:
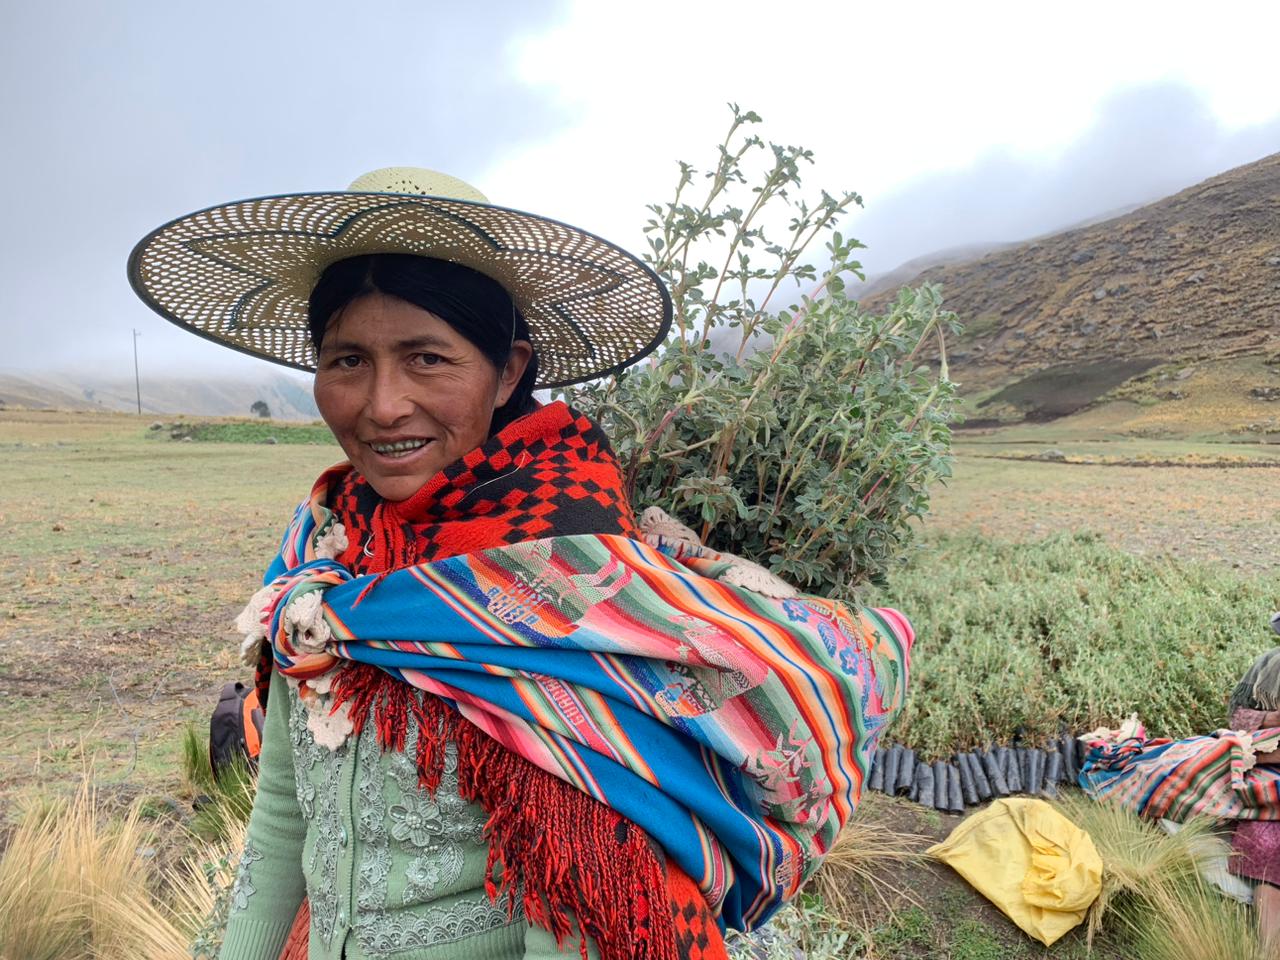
[398,449]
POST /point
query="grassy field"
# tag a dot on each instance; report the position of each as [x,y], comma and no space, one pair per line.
[1042,589]
[129,558]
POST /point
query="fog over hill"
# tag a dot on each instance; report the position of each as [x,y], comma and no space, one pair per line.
[287,396]
[1145,143]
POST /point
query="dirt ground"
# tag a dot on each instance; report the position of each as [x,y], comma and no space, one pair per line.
[130,557]
[1227,515]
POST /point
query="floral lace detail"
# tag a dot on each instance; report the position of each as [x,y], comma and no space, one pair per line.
[384,933]
[412,847]
[426,873]
[374,871]
[243,887]
[307,799]
[318,772]
[416,819]
[397,815]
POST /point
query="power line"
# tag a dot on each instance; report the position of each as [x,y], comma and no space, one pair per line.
[137,383]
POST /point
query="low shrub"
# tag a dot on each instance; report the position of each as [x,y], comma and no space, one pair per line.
[1024,637]
[243,431]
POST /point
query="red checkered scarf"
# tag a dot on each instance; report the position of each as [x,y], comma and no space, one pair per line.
[548,474]
[551,473]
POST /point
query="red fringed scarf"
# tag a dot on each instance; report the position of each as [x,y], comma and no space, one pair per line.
[579,864]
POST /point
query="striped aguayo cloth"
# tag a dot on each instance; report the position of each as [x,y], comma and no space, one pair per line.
[1211,776]
[734,729]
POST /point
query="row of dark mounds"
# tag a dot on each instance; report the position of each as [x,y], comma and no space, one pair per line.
[969,779]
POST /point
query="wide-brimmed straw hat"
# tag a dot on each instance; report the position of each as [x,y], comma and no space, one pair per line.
[241,273]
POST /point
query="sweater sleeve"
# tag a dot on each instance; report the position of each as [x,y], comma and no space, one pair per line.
[269,885]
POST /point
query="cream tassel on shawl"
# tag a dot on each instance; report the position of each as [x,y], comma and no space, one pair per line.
[304,620]
[252,623]
[657,526]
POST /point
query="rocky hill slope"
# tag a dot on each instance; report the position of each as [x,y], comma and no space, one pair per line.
[1192,277]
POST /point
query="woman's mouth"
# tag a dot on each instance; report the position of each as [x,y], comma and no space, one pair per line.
[397,449]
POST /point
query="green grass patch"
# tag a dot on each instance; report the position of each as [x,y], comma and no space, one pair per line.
[224,802]
[1024,636]
[973,940]
[907,929]
[245,431]
[1061,391]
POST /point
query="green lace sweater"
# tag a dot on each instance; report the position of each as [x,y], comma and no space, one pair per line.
[390,871]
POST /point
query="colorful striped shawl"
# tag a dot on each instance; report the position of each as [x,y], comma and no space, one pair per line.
[736,730]
[1213,776]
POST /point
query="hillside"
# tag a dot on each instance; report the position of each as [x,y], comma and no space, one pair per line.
[287,396]
[1192,277]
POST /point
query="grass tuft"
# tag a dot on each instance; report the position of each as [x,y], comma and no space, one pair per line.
[1190,921]
[1139,859]
[77,886]
[223,803]
[855,868]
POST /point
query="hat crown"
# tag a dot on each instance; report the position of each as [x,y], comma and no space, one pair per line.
[417,181]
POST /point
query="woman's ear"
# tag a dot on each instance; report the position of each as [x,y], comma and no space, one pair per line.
[517,363]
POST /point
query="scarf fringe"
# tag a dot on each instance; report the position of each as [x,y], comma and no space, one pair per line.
[580,866]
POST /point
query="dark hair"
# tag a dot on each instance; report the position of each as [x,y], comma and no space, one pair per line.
[476,306]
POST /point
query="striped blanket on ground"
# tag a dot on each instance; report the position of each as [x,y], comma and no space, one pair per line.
[735,729]
[1210,776]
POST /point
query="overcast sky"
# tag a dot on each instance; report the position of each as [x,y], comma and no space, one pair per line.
[958,123]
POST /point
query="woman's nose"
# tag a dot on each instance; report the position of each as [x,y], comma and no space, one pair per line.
[390,398]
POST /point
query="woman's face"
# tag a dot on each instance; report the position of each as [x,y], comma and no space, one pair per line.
[405,393]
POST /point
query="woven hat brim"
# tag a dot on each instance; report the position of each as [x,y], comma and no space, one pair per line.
[240,274]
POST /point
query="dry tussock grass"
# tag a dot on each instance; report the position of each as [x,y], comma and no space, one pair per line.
[74,886]
[855,869]
[1190,921]
[1152,887]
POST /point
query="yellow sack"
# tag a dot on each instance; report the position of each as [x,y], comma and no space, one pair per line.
[1030,861]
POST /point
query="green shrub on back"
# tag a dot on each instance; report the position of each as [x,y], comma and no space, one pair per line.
[804,436]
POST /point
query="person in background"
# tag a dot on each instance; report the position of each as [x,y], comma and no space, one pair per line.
[1255,705]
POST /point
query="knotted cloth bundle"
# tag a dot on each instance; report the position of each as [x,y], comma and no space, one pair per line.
[591,681]
[1029,860]
[735,729]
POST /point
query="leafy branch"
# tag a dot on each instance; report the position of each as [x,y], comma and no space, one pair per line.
[807,436]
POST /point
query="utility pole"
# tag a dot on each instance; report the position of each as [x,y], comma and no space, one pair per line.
[137,383]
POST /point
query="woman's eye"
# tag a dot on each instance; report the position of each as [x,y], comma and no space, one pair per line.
[348,362]
[428,359]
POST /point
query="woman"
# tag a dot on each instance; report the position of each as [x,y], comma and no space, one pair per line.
[500,722]
[1255,706]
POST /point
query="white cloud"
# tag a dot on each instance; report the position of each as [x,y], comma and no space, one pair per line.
[885,94]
